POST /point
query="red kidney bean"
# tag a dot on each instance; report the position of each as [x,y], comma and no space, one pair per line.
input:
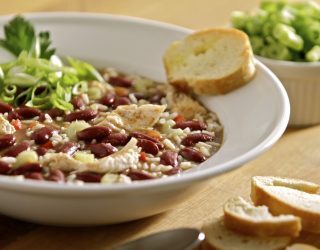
[139,135]
[42,117]
[120,81]
[192,139]
[108,99]
[169,158]
[54,113]
[192,154]
[117,139]
[42,135]
[27,112]
[94,132]
[28,167]
[7,140]
[13,151]
[41,151]
[56,175]
[148,146]
[121,101]
[89,177]
[137,175]
[68,148]
[77,102]
[102,149]
[173,171]
[192,125]
[86,115]
[156,98]
[14,116]
[34,176]
[5,108]
[4,167]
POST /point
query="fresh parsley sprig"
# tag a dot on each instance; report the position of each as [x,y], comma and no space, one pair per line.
[21,36]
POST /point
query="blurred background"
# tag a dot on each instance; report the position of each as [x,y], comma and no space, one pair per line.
[181,12]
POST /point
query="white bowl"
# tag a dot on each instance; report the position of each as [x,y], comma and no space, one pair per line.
[302,82]
[254,118]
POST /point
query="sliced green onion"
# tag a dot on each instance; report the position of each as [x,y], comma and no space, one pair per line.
[79,88]
[23,97]
[59,103]
[10,89]
[85,70]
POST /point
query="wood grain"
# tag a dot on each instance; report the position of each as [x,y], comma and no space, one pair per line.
[295,155]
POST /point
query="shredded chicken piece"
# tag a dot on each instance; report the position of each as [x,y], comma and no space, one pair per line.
[5,126]
[184,104]
[133,117]
[125,158]
[61,161]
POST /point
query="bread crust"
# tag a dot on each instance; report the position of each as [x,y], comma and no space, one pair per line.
[218,237]
[244,217]
[300,246]
[260,195]
[266,228]
[213,86]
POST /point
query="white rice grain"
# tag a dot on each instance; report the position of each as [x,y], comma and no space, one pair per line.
[204,151]
[132,98]
[186,165]
[168,144]
[153,159]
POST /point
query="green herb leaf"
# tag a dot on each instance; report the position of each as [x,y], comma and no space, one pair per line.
[45,42]
[20,36]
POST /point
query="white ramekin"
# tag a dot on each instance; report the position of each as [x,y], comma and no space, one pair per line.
[302,83]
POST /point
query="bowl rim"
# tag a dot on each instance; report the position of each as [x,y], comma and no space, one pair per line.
[283,63]
[100,189]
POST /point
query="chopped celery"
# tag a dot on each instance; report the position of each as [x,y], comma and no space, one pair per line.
[313,55]
[282,30]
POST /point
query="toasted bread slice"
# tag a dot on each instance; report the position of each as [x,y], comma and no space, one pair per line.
[301,247]
[212,61]
[242,216]
[289,196]
[218,237]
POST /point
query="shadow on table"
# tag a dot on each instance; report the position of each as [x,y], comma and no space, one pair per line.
[25,235]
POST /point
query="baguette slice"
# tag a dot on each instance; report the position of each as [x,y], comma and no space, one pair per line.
[218,237]
[242,216]
[289,196]
[212,61]
[301,247]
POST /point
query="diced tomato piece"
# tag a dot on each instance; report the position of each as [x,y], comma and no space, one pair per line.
[143,156]
[179,118]
[47,145]
[16,123]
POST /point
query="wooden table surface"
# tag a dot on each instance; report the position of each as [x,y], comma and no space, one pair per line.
[296,154]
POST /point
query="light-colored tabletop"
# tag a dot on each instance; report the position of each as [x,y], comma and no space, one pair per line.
[295,155]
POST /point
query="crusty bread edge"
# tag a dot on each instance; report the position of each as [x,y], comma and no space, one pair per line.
[301,246]
[218,86]
[236,223]
[206,245]
[259,196]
